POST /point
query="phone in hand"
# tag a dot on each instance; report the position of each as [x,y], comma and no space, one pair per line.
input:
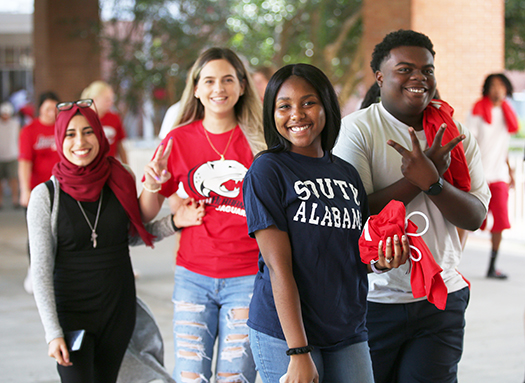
[74,339]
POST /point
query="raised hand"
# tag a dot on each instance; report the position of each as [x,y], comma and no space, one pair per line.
[189,213]
[155,171]
[416,167]
[440,155]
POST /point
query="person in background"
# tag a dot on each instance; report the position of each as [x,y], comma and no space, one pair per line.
[492,121]
[408,148]
[372,96]
[168,122]
[216,136]
[37,150]
[9,131]
[37,154]
[261,75]
[104,97]
[23,107]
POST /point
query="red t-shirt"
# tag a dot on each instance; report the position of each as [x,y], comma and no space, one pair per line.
[220,247]
[37,144]
[114,131]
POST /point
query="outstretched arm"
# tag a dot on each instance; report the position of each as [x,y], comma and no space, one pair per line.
[277,253]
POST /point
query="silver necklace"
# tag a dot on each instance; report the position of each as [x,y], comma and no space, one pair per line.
[93,228]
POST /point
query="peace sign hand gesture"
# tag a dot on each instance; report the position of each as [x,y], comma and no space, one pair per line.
[440,155]
[423,169]
[155,171]
[416,167]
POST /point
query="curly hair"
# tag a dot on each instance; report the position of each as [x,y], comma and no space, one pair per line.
[503,78]
[400,38]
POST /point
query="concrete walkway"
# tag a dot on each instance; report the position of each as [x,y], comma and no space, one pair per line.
[494,344]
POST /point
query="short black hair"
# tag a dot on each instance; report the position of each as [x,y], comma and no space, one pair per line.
[322,85]
[503,78]
[47,96]
[400,38]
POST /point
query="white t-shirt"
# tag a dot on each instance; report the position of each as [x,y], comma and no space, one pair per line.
[169,120]
[493,140]
[362,142]
[9,132]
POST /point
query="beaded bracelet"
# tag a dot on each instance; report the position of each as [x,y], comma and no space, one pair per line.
[299,350]
[151,190]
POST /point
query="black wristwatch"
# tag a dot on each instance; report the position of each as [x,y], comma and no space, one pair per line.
[436,188]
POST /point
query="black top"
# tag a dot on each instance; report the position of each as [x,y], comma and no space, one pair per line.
[92,285]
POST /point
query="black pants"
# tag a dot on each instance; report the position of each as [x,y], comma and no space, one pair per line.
[416,342]
[96,361]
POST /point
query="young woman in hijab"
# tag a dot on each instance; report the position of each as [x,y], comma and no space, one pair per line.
[81,223]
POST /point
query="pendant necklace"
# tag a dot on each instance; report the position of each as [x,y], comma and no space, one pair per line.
[213,147]
[93,228]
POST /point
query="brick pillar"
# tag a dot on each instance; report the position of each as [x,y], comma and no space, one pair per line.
[66,48]
[468,39]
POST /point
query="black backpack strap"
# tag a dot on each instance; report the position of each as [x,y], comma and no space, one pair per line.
[51,187]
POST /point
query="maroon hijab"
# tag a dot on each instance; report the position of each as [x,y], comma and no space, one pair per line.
[84,183]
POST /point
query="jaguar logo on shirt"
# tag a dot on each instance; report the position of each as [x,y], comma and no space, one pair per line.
[223,178]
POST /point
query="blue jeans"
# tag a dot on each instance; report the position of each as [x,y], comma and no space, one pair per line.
[351,364]
[207,309]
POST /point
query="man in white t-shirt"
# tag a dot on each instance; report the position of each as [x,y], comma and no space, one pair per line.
[410,339]
[492,121]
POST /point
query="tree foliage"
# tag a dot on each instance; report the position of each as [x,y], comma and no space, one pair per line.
[153,50]
[515,34]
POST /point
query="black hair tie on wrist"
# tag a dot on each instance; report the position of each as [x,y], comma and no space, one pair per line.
[299,350]
[173,224]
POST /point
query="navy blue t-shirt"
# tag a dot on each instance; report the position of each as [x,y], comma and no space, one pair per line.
[322,205]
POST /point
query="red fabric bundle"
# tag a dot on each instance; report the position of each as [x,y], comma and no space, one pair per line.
[435,114]
[483,108]
[425,277]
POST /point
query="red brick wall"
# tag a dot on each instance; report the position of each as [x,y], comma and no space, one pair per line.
[468,39]
[66,49]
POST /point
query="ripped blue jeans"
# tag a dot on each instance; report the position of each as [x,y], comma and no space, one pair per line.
[206,309]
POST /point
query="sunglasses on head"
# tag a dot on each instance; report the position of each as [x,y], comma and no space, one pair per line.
[63,106]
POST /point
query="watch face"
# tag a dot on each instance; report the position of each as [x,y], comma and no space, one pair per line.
[436,188]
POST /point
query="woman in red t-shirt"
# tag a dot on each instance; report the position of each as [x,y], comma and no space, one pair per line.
[216,135]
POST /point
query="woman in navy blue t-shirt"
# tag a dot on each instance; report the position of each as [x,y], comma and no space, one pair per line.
[306,208]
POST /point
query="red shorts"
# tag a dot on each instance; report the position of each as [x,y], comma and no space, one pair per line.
[499,207]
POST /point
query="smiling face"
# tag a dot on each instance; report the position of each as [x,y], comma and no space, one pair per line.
[46,112]
[407,82]
[219,88]
[80,144]
[300,116]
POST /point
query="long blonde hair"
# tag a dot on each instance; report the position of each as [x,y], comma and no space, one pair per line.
[248,109]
